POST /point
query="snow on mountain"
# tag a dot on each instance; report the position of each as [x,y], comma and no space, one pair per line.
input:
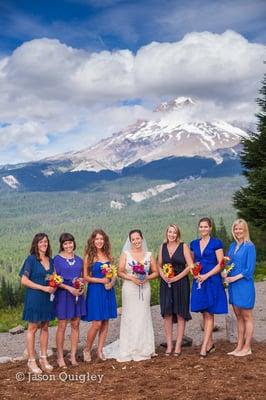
[11,181]
[153,191]
[117,204]
[164,136]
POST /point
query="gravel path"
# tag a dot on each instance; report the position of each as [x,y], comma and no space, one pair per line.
[13,345]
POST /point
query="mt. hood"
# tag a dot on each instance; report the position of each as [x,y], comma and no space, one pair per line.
[164,136]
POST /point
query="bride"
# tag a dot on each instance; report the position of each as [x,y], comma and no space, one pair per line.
[136,267]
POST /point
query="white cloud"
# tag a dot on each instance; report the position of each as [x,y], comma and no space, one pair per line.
[56,98]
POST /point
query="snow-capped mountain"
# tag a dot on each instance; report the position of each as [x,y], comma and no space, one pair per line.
[164,147]
[146,141]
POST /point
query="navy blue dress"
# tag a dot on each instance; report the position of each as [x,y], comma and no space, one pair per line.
[242,291]
[100,302]
[211,296]
[174,300]
[37,305]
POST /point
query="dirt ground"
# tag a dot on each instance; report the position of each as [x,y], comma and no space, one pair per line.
[219,376]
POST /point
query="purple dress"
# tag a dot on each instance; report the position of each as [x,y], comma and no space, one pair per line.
[66,306]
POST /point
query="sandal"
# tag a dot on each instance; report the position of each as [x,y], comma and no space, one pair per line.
[61,364]
[33,367]
[101,356]
[211,349]
[177,354]
[86,356]
[45,366]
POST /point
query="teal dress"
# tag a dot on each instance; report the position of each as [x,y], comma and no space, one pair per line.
[242,291]
[37,305]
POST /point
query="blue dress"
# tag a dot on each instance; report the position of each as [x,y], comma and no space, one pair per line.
[211,296]
[242,291]
[100,302]
[66,306]
[37,305]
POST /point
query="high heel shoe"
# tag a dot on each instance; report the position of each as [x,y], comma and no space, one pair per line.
[61,364]
[243,354]
[101,356]
[45,366]
[33,367]
[211,349]
[86,356]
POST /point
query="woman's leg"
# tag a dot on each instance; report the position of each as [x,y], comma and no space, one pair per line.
[240,329]
[44,338]
[92,332]
[60,337]
[32,329]
[168,330]
[181,324]
[74,339]
[43,346]
[249,329]
[208,329]
[102,336]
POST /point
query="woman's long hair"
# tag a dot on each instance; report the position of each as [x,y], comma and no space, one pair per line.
[91,250]
[34,246]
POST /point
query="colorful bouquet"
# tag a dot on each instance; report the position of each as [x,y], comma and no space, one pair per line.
[109,270]
[226,267]
[78,283]
[54,281]
[168,271]
[196,271]
[138,269]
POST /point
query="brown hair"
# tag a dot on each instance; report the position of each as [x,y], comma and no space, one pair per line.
[177,230]
[206,219]
[66,237]
[34,246]
[135,231]
[90,248]
[241,221]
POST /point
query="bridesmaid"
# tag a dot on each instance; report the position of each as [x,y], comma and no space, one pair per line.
[174,292]
[100,300]
[69,302]
[38,309]
[242,253]
[210,298]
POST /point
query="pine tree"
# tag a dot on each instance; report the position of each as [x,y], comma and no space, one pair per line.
[223,235]
[251,200]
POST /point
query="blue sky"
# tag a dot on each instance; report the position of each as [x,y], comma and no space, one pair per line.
[73,71]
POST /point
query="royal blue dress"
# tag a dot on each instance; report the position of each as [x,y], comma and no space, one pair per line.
[37,305]
[100,302]
[242,291]
[66,306]
[211,296]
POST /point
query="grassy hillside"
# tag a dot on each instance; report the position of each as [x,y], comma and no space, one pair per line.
[24,214]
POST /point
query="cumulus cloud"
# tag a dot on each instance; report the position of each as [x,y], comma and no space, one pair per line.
[51,91]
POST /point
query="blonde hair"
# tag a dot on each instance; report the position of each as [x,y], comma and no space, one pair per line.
[241,221]
[177,230]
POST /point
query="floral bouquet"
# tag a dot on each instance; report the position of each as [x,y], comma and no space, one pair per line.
[109,271]
[54,281]
[139,270]
[168,271]
[78,283]
[196,271]
[226,267]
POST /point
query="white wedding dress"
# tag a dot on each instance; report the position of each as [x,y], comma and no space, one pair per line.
[136,340]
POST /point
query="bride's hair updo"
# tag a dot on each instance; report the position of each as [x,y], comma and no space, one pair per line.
[135,231]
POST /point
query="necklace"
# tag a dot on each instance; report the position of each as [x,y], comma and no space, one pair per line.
[70,261]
